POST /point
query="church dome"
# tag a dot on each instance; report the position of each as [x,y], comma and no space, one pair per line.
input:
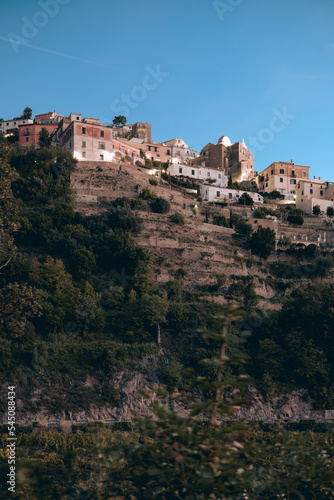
[224,140]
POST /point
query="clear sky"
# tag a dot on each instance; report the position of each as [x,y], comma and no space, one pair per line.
[262,70]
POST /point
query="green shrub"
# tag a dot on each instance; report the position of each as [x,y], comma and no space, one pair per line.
[177,218]
[153,182]
[296,216]
[160,206]
[147,194]
[330,211]
[263,242]
[220,220]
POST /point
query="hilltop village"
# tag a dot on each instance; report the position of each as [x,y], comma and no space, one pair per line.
[222,170]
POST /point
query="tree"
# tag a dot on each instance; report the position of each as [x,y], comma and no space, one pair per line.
[8,211]
[43,138]
[274,195]
[160,206]
[316,210]
[263,242]
[83,263]
[119,121]
[245,199]
[27,113]
[219,220]
[177,218]
[330,211]
[296,216]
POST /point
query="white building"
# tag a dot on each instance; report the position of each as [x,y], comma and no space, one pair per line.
[10,124]
[180,151]
[227,195]
[314,192]
[198,173]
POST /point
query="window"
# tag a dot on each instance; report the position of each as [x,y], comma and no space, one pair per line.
[272,172]
[101,133]
[193,172]
[218,194]
[168,151]
[292,172]
[293,181]
[155,150]
[27,131]
[209,175]
[23,121]
[84,130]
[101,157]
[180,170]
[78,118]
[83,144]
[14,123]
[281,179]
[70,145]
[219,176]
[321,193]
[281,170]
[301,200]
[84,154]
[302,192]
[158,156]
[311,191]
[304,174]
[266,184]
[101,145]
[152,158]
[230,195]
[149,148]
[27,139]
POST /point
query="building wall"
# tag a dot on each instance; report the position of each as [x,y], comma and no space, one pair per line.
[157,152]
[125,150]
[234,159]
[198,173]
[136,130]
[314,192]
[88,142]
[181,151]
[29,134]
[240,162]
[213,193]
[10,124]
[283,177]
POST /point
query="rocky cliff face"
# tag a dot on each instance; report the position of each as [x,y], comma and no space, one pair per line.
[290,407]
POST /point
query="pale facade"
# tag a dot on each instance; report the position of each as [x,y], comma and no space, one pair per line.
[198,173]
[227,195]
[180,151]
[283,177]
[314,192]
[10,124]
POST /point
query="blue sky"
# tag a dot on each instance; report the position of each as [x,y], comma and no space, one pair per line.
[262,70]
